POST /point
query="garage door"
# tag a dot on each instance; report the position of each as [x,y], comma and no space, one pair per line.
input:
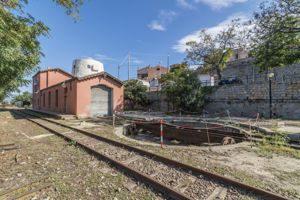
[101,104]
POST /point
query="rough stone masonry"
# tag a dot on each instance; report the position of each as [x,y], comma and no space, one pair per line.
[252,96]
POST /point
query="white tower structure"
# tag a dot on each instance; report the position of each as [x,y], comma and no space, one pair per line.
[86,66]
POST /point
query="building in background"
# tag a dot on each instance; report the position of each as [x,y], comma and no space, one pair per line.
[149,73]
[239,54]
[88,92]
[211,78]
[152,75]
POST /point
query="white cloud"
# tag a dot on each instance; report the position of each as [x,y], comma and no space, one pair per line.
[214,4]
[217,4]
[185,4]
[181,46]
[165,17]
[103,57]
[156,26]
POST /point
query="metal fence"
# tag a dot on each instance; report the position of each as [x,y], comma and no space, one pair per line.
[258,79]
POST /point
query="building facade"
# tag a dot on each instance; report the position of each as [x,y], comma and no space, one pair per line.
[99,94]
[152,76]
[150,73]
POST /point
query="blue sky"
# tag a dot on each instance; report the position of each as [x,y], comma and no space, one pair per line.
[149,29]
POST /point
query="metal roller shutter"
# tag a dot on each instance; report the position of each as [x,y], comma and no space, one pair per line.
[101,104]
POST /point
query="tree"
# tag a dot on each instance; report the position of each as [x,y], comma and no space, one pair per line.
[212,51]
[20,50]
[25,98]
[135,93]
[182,88]
[178,67]
[276,34]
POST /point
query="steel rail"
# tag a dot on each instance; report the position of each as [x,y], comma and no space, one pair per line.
[195,171]
[134,173]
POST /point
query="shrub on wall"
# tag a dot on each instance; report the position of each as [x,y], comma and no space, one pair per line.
[135,94]
[183,89]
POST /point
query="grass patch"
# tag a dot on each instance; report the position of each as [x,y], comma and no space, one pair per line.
[291,177]
[268,150]
[276,145]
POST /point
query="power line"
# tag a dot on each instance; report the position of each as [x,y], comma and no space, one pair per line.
[129,65]
[125,58]
[118,71]
[149,54]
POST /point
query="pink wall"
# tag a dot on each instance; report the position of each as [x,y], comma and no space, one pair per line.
[57,104]
[46,79]
[75,98]
[84,90]
[56,76]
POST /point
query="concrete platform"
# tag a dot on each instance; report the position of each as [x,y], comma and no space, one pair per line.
[56,115]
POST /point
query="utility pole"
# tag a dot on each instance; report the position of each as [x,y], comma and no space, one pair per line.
[129,65]
[168,63]
[118,71]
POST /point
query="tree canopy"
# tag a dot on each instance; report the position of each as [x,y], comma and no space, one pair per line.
[135,93]
[20,50]
[276,34]
[183,88]
[212,51]
[25,98]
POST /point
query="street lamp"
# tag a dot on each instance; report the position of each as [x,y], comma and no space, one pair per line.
[270,76]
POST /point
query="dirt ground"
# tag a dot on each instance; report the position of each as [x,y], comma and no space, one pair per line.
[279,173]
[243,161]
[44,166]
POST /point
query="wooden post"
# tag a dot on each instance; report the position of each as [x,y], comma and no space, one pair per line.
[208,138]
[114,118]
[161,134]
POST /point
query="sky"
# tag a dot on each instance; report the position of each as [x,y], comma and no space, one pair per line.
[150,30]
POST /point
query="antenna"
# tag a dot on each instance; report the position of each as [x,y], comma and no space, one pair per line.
[168,62]
[118,71]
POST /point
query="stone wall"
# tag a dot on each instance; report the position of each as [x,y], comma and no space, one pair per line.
[252,96]
[158,101]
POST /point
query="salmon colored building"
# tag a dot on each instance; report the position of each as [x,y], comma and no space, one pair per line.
[99,94]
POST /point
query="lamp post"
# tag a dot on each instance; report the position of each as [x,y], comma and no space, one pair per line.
[270,76]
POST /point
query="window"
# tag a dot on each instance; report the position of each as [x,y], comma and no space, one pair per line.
[49,99]
[56,98]
[89,66]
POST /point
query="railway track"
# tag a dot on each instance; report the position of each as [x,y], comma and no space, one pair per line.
[173,179]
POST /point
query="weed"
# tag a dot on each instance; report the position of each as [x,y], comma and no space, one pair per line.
[72,143]
[276,145]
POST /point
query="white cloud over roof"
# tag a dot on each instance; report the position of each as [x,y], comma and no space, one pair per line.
[181,46]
